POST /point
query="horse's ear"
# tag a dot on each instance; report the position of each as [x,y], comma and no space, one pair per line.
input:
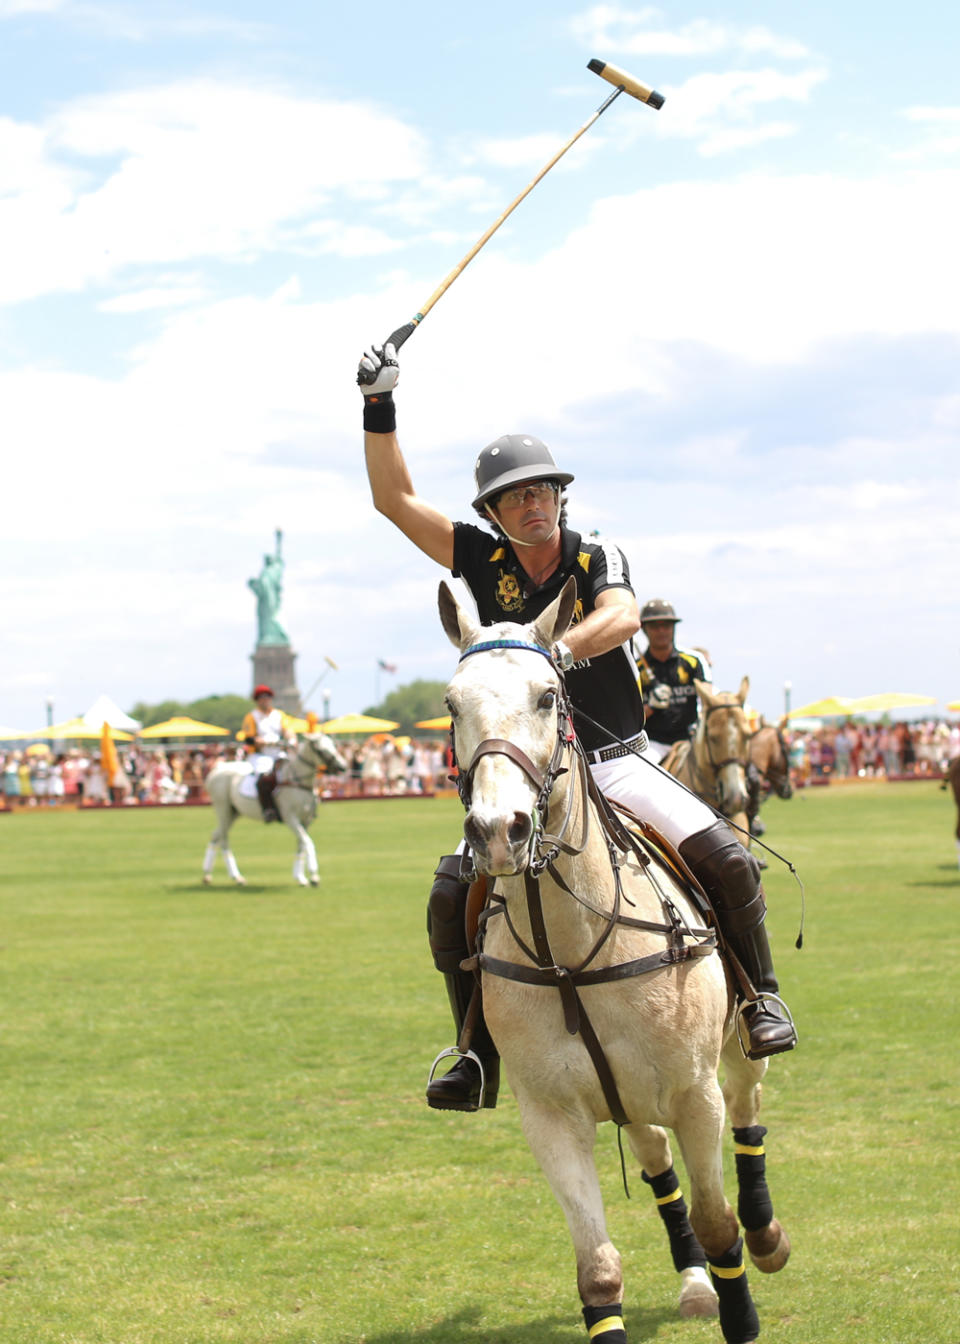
[553,623]
[705,691]
[744,690]
[459,626]
[783,724]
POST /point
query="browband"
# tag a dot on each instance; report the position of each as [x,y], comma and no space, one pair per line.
[489,644]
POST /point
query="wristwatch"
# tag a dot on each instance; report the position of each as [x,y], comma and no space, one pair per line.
[562,656]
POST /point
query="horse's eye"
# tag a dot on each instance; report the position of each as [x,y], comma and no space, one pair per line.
[547,700]
[451,709]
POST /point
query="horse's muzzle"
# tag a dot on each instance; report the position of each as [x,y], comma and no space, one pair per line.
[500,845]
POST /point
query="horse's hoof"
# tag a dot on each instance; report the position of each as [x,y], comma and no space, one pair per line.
[697,1297]
[315,881]
[207,879]
[240,881]
[769,1247]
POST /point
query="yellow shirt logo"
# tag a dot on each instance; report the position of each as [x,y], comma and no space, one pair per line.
[509,595]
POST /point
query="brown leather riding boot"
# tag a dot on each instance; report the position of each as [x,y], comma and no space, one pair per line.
[731,878]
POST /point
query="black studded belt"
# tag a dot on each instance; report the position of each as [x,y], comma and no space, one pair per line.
[628,748]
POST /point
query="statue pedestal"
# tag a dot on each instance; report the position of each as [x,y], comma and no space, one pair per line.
[274,665]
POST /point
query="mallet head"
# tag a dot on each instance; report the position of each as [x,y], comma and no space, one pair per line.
[626,82]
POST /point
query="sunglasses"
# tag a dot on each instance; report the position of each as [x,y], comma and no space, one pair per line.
[538,491]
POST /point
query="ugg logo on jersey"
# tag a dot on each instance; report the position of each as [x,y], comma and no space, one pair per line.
[509,595]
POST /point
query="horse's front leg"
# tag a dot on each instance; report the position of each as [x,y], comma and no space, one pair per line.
[766,1240]
[563,1145]
[652,1150]
[699,1129]
[304,845]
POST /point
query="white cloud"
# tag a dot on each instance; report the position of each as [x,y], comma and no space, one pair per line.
[180,172]
[723,141]
[611,28]
[703,104]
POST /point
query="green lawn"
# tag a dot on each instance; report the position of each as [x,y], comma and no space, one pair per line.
[211,1116]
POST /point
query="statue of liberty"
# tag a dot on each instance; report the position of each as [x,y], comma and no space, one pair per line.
[269,588]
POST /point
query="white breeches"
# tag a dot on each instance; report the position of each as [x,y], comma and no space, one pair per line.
[639,784]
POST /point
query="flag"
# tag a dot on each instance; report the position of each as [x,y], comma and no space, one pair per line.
[108,756]
[386,667]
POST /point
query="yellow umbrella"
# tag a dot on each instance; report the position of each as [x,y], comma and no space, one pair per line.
[358,723]
[954,705]
[182,726]
[442,721]
[78,728]
[891,700]
[834,707]
[38,749]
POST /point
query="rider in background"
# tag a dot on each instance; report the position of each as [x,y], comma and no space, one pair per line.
[267,734]
[514,572]
[667,674]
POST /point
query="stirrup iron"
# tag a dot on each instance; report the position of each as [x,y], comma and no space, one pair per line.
[763,996]
[462,1054]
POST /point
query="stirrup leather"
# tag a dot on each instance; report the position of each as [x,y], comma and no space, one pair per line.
[743,1031]
[462,1054]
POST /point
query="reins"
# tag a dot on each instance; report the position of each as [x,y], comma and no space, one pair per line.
[545,849]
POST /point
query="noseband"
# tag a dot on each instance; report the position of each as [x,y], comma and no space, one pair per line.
[729,760]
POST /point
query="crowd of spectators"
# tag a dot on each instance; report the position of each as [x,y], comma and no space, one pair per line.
[384,765]
[36,777]
[850,750]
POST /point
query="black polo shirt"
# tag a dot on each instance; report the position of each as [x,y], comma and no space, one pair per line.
[675,675]
[605,687]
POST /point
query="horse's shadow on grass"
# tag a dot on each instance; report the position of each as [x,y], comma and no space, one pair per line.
[466,1327]
[940,881]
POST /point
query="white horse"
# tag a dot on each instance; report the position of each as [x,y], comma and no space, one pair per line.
[599,1014]
[295,800]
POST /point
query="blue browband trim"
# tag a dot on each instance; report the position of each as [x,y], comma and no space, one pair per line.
[489,644]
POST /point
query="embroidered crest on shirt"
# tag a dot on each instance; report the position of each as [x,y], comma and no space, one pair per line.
[509,596]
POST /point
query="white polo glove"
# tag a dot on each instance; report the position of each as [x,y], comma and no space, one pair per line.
[379,371]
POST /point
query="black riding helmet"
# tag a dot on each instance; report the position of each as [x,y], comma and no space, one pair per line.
[509,460]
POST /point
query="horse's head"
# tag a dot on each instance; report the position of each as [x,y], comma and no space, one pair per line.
[503,702]
[319,749]
[775,763]
[726,743]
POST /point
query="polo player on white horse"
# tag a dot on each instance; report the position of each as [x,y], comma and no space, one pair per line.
[267,732]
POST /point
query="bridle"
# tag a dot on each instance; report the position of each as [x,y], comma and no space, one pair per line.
[307,758]
[541,967]
[544,848]
[704,785]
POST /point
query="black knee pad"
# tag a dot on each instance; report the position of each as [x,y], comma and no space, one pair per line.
[446,915]
[729,874]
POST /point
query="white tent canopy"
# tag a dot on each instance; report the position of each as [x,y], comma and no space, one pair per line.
[103,710]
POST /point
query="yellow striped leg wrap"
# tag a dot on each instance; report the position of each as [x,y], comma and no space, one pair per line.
[669,1199]
[605,1324]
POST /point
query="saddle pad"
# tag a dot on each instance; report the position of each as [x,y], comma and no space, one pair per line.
[248,786]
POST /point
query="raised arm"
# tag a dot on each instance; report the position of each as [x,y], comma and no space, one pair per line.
[390,483]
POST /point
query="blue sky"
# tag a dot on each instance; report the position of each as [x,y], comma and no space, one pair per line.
[736,320]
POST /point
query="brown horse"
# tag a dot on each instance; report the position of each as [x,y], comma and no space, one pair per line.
[953,779]
[714,764]
[768,769]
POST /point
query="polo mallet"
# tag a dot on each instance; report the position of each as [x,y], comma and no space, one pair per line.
[624,84]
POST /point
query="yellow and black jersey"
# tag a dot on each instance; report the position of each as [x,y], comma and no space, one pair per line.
[604,687]
[673,706]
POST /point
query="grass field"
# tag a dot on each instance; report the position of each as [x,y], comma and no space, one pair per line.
[212,1117]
